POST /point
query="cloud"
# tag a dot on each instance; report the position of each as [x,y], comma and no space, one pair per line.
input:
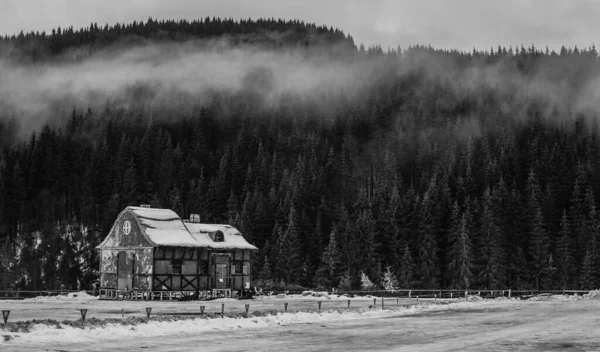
[154,76]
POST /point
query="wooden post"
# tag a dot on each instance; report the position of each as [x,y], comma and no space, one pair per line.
[450,295]
[285,305]
[201,310]
[148,311]
[83,313]
[247,308]
[509,292]
[381,302]
[123,314]
[409,292]
[319,306]
[348,303]
[222,310]
[396,300]
[417,298]
[435,297]
[5,314]
[374,302]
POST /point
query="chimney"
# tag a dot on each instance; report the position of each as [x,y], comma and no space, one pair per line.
[144,205]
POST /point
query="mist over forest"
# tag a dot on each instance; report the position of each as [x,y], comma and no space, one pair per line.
[445,169]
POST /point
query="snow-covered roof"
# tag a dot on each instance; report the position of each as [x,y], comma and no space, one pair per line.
[232,238]
[163,227]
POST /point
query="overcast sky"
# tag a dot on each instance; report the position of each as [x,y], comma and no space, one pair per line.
[461,24]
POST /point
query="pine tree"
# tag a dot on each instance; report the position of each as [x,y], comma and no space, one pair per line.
[461,258]
[390,283]
[365,239]
[539,241]
[490,267]
[407,269]
[428,257]
[346,282]
[538,249]
[365,283]
[326,274]
[586,276]
[232,210]
[564,250]
[288,251]
[8,276]
[265,272]
[592,236]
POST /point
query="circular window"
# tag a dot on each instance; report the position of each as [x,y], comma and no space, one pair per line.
[126,227]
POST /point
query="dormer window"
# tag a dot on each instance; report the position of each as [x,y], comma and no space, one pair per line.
[218,236]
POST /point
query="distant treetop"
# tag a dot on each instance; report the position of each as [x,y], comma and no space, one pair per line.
[269,33]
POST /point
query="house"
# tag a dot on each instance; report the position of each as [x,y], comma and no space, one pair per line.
[152,253]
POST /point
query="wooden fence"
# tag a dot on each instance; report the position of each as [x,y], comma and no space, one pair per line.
[401,293]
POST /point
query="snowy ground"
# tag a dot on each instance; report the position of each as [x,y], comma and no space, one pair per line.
[68,308]
[553,324]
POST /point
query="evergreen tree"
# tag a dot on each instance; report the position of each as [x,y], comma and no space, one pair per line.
[265,272]
[288,252]
[461,258]
[564,257]
[389,283]
[586,276]
[407,269]
[427,245]
[326,274]
[539,251]
[346,282]
[365,283]
[490,259]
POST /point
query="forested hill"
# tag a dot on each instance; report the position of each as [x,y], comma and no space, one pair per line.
[452,169]
[265,33]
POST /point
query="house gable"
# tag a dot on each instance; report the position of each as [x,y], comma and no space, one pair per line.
[125,233]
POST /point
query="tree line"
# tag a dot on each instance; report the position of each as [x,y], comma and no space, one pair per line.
[441,184]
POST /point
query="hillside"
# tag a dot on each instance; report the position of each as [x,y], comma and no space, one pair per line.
[454,169]
[264,33]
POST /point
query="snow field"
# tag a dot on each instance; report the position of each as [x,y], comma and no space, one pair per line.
[314,296]
[40,333]
[590,296]
[72,296]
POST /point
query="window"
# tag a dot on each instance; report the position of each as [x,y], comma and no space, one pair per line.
[239,268]
[203,268]
[176,266]
[218,236]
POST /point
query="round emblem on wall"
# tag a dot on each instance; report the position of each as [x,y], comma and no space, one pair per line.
[126,227]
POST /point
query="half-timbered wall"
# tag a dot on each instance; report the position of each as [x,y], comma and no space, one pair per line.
[240,270]
[177,269]
[191,269]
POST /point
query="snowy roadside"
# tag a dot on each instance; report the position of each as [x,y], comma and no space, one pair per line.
[72,296]
[314,296]
[41,333]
